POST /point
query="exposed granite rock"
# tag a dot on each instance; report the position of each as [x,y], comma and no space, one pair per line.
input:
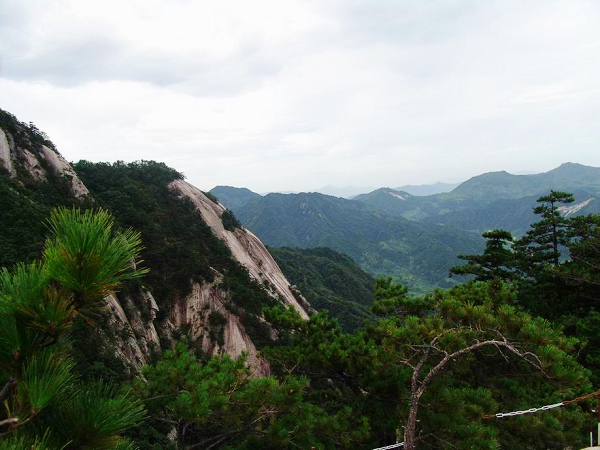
[61,166]
[133,331]
[36,161]
[246,248]
[6,158]
[193,312]
[32,165]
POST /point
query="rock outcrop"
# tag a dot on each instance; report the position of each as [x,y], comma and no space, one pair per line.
[37,160]
[246,248]
[6,158]
[133,330]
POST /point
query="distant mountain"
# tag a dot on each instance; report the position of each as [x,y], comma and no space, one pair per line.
[343,191]
[396,203]
[418,254]
[329,281]
[492,200]
[233,197]
[427,189]
[515,215]
[495,185]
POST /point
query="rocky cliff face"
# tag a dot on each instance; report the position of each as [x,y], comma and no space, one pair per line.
[245,247]
[224,335]
[38,161]
[133,330]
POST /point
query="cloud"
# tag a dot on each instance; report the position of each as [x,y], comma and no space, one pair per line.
[295,95]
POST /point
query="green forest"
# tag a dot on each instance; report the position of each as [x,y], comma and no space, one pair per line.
[425,370]
[376,366]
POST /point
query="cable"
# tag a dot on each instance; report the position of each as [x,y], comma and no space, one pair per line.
[400,444]
[542,408]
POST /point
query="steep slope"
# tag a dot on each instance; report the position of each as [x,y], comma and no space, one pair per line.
[418,254]
[233,197]
[330,281]
[206,282]
[245,247]
[34,178]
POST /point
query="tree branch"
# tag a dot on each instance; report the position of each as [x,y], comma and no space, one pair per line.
[472,348]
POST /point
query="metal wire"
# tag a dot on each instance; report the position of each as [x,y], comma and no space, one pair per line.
[542,408]
[400,444]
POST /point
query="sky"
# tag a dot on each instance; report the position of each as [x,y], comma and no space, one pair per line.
[295,95]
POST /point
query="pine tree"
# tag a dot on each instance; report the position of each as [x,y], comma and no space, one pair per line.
[542,244]
[497,261]
[438,364]
[216,403]
[45,404]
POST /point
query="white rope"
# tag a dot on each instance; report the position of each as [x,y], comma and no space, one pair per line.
[400,444]
[528,411]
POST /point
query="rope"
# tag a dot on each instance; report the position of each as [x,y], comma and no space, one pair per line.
[542,408]
[400,444]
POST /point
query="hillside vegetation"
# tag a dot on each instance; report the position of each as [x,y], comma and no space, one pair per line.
[418,255]
[430,370]
[330,281]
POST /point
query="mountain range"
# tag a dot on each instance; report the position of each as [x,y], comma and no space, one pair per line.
[411,237]
[418,254]
[427,189]
[493,200]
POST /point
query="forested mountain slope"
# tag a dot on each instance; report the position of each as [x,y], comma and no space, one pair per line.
[330,281]
[495,185]
[493,200]
[419,255]
[233,197]
[427,189]
[430,370]
[205,279]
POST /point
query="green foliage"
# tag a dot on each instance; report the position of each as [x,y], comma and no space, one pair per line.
[497,261]
[390,298]
[25,206]
[329,281]
[24,443]
[45,376]
[95,416]
[180,247]
[543,242]
[87,258]
[371,370]
[230,223]
[38,304]
[218,403]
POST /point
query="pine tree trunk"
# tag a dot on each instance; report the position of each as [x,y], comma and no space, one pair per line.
[411,424]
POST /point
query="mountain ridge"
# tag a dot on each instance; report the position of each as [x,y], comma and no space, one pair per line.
[380,243]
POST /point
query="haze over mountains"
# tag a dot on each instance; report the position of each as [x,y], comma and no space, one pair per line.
[493,200]
[413,238]
[427,189]
[350,192]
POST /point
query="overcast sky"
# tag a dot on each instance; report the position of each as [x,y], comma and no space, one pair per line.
[286,95]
